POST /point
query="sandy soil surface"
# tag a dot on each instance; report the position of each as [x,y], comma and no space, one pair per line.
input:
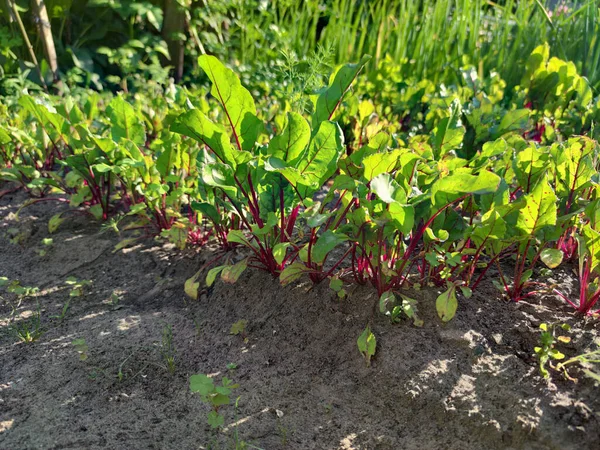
[469,384]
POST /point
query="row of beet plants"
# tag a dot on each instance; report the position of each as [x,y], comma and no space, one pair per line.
[393,217]
[439,209]
[108,159]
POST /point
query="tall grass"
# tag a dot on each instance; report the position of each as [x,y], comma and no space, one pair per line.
[430,38]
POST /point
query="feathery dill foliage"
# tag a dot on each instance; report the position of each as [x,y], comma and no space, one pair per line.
[301,77]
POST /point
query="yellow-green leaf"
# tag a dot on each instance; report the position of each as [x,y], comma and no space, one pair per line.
[446,304]
[54,223]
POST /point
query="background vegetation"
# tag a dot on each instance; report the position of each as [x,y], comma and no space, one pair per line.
[110,43]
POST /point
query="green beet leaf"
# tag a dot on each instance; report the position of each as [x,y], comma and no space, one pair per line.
[125,122]
[236,101]
[379,163]
[449,133]
[238,237]
[316,164]
[196,125]
[575,166]
[551,257]
[219,175]
[536,61]
[292,273]
[387,189]
[386,300]
[512,121]
[231,274]
[539,209]
[280,250]
[446,304]
[329,100]
[403,216]
[490,232]
[292,142]
[589,248]
[530,165]
[208,210]
[211,276]
[53,124]
[319,161]
[367,344]
[451,187]
[326,243]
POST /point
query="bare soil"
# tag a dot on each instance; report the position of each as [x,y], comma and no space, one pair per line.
[469,384]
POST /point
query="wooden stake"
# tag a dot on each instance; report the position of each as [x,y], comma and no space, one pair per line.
[17,18]
[45,32]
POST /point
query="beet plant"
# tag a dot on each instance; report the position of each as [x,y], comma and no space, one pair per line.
[534,227]
[575,163]
[589,274]
[258,192]
[588,238]
[109,167]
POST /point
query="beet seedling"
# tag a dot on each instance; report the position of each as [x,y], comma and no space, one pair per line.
[388,305]
[547,350]
[367,344]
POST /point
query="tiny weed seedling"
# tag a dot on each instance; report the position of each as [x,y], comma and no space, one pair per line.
[112,225]
[63,313]
[114,301]
[15,287]
[46,246]
[367,344]
[547,350]
[389,306]
[81,348]
[213,395]
[76,290]
[589,363]
[29,330]
[76,286]
[197,327]
[120,373]
[167,349]
[16,236]
[239,328]
[282,430]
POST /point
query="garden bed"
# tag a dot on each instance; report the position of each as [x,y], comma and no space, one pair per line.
[471,383]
